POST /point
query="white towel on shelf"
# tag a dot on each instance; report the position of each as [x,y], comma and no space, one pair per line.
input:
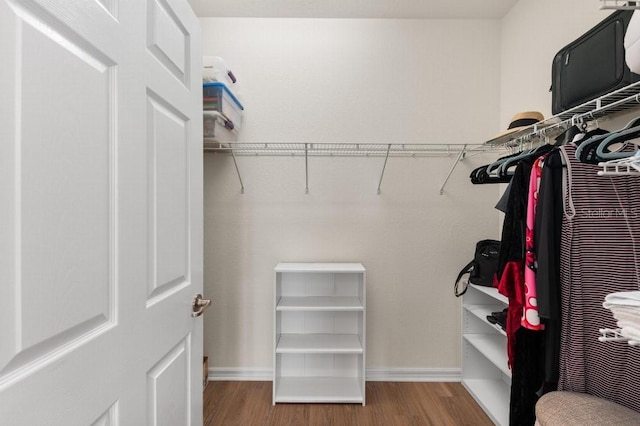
[622,298]
[626,313]
[628,324]
[631,333]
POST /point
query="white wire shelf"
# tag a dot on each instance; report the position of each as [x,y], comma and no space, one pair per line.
[347,149]
[619,5]
[325,149]
[607,106]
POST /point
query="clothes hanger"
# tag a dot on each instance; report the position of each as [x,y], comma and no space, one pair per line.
[500,171]
[539,150]
[492,168]
[476,175]
[486,174]
[625,137]
[491,173]
[568,135]
[481,177]
[587,149]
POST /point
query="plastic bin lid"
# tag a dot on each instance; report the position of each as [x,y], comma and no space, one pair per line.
[226,89]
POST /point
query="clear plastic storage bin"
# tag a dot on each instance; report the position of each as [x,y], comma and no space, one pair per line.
[217,97]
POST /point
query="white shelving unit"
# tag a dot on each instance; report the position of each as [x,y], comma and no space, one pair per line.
[485,373]
[319,333]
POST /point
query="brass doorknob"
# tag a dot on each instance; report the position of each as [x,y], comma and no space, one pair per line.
[199,305]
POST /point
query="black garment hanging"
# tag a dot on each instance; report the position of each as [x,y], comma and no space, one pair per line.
[527,345]
[527,376]
[514,225]
[522,401]
[548,228]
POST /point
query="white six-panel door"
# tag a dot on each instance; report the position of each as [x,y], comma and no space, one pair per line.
[100,213]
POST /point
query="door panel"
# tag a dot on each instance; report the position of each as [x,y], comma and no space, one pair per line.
[174,135]
[168,40]
[62,258]
[68,249]
[168,389]
[100,213]
[169,197]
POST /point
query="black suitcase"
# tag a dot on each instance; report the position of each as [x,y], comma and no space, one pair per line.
[592,65]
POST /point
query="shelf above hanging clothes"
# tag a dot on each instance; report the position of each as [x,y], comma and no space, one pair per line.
[325,149]
[605,106]
[347,149]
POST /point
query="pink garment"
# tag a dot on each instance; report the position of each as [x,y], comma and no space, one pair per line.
[530,318]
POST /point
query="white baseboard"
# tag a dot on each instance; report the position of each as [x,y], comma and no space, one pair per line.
[414,374]
[239,373]
[373,374]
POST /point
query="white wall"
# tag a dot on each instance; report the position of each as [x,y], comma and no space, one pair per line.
[532,33]
[307,80]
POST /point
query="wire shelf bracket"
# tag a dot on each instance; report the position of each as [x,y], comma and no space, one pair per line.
[235,163]
[384,166]
[460,157]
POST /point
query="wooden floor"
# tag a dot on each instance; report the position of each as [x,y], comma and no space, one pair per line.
[388,404]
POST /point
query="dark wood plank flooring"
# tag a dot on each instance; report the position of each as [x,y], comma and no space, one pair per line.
[388,403]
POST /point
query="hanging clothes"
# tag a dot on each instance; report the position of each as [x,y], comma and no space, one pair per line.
[599,255]
[548,228]
[511,262]
[510,272]
[530,317]
[526,377]
[524,347]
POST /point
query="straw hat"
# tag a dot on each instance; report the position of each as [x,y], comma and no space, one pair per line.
[520,121]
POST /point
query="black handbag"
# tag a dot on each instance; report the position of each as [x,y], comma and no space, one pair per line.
[483,266]
[592,65]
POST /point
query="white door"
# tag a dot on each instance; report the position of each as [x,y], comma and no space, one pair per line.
[100,213]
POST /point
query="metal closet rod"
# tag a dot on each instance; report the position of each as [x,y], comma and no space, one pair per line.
[461,151]
[343,149]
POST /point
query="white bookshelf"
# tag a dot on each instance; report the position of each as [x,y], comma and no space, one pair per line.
[485,373]
[319,333]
